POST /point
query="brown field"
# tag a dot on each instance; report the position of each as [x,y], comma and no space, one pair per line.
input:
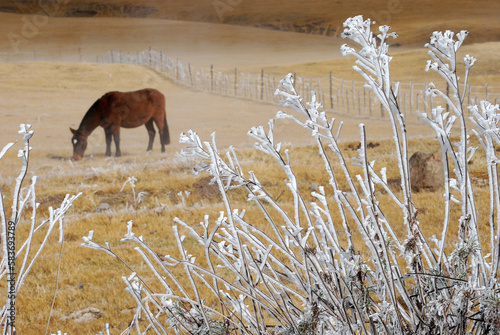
[53,93]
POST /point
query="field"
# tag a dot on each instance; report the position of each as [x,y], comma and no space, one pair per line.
[53,92]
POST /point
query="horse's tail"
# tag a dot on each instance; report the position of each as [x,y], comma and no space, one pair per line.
[166,133]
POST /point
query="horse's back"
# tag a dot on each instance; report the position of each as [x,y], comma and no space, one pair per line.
[157,101]
[144,97]
[156,97]
[135,108]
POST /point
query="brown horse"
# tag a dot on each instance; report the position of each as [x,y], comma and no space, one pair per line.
[123,109]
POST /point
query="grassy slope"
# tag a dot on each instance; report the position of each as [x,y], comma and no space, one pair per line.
[236,46]
[406,66]
[413,19]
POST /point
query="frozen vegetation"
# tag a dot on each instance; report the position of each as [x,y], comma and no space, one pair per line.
[305,273]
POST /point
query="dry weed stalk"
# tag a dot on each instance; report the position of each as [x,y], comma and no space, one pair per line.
[301,277]
[19,255]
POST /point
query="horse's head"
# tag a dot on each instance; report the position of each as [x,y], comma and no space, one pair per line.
[79,144]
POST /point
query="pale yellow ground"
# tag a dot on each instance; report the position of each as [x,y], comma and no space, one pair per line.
[54,96]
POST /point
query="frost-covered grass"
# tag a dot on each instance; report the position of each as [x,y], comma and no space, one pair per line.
[24,235]
[90,279]
[334,258]
[302,243]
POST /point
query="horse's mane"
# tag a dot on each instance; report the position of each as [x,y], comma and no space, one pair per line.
[87,118]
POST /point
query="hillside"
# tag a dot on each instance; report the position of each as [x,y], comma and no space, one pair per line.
[77,39]
[55,96]
[412,19]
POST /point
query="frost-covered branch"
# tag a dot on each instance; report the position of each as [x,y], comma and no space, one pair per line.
[19,256]
[286,269]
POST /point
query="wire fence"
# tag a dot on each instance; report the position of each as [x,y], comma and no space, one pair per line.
[337,95]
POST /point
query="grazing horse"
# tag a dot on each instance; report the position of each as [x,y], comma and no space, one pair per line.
[123,109]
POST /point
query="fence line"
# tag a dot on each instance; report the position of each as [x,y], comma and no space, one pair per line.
[335,94]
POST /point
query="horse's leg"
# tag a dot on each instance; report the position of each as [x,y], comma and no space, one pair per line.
[151,132]
[116,137]
[161,131]
[108,133]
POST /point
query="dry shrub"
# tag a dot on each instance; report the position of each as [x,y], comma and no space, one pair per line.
[340,249]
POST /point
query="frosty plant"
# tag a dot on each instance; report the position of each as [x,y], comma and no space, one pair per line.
[137,197]
[19,255]
[299,276]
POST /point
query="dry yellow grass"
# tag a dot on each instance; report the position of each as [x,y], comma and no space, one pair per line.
[413,20]
[92,278]
[406,66]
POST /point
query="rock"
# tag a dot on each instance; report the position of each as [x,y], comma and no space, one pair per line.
[104,206]
[314,187]
[426,171]
[84,315]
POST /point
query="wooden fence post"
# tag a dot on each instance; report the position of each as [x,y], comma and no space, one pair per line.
[424,97]
[274,81]
[161,61]
[322,96]
[310,89]
[331,90]
[235,82]
[211,77]
[417,103]
[353,97]
[190,74]
[262,85]
[220,82]
[359,104]
[347,101]
[303,87]
[364,98]
[411,98]
[342,91]
[177,69]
